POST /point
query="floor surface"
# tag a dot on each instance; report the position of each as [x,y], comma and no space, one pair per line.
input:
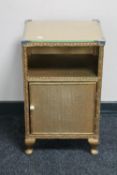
[56,157]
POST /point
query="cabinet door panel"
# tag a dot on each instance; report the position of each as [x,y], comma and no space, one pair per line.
[62,107]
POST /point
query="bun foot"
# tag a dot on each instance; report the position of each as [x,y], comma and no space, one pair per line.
[29,151]
[94,151]
[29,142]
[94,145]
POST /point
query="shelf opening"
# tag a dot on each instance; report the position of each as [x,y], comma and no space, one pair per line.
[63,65]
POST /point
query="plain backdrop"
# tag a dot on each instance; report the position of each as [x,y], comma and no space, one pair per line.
[12,17]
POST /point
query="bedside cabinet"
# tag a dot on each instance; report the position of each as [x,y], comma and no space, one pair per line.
[62,63]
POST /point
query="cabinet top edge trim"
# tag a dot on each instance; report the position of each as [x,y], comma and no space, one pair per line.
[53,43]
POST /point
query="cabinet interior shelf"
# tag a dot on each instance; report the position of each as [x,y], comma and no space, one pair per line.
[62,67]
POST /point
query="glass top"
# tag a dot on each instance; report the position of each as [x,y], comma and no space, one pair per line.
[63,31]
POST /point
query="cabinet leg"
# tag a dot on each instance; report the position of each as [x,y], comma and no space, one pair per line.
[94,142]
[29,142]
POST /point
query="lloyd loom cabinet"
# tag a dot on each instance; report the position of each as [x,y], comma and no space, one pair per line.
[62,63]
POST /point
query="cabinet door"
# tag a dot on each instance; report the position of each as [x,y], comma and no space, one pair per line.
[62,107]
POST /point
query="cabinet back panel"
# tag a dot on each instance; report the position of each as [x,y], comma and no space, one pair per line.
[64,50]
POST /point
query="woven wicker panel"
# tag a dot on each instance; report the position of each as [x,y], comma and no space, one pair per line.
[62,107]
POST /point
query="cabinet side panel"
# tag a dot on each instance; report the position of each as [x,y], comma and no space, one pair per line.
[26,94]
[98,89]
